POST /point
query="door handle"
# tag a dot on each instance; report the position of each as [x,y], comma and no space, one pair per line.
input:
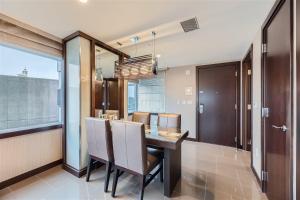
[283,127]
[201,108]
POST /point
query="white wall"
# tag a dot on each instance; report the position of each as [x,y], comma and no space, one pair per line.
[256,99]
[27,152]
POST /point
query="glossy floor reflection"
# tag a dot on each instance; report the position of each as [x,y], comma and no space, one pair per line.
[209,172]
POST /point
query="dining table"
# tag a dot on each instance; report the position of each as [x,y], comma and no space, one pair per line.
[170,141]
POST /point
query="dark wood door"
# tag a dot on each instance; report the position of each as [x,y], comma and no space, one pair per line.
[99,95]
[247,101]
[277,99]
[112,94]
[217,108]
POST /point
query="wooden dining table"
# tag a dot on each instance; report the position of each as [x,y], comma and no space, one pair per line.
[170,140]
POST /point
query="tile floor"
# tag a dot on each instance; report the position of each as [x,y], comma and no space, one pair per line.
[209,172]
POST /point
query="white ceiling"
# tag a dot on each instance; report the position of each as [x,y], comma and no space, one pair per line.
[227,27]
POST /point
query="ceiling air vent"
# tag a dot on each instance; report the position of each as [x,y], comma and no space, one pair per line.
[190,25]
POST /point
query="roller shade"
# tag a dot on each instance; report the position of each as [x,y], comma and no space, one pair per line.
[151,94]
[13,32]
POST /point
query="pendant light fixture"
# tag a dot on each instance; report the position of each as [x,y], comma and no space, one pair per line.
[138,67]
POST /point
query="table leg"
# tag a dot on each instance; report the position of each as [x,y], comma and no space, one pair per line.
[172,169]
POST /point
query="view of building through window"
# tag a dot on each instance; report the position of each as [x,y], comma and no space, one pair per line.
[30,89]
[132,97]
[147,95]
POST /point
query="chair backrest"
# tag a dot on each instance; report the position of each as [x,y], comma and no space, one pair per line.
[113,113]
[99,138]
[98,112]
[129,145]
[168,120]
[142,117]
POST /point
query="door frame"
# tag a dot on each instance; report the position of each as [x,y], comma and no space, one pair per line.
[244,109]
[275,9]
[238,79]
[297,65]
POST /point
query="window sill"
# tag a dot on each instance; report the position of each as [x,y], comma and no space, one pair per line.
[28,131]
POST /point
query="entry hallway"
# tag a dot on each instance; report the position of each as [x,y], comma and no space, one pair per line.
[209,172]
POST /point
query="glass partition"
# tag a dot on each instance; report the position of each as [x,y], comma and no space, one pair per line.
[78,100]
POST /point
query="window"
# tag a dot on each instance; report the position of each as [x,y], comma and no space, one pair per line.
[132,97]
[30,88]
[147,95]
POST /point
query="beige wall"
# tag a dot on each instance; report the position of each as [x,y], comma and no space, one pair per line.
[178,79]
[27,152]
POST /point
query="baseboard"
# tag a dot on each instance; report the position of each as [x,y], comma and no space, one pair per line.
[76,172]
[256,176]
[191,139]
[28,174]
[73,171]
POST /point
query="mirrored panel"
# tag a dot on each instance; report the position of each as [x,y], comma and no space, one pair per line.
[106,85]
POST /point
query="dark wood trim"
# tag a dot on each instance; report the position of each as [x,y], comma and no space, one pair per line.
[256,175]
[74,171]
[97,42]
[28,174]
[191,139]
[29,131]
[238,69]
[79,173]
[245,81]
[218,65]
[274,10]
[297,64]
[93,81]
[250,54]
[64,115]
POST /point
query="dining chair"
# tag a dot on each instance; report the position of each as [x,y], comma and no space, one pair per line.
[131,156]
[112,113]
[142,117]
[169,120]
[100,146]
[98,112]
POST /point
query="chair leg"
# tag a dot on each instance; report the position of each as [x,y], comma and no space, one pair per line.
[142,186]
[115,182]
[90,165]
[107,175]
[161,174]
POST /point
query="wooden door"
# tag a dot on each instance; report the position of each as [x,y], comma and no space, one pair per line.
[99,95]
[112,94]
[247,101]
[217,103]
[277,103]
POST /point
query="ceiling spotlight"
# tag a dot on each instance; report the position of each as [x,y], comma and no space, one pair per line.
[135,39]
[158,56]
[83,1]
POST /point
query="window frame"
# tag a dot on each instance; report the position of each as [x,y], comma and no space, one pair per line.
[30,131]
[12,132]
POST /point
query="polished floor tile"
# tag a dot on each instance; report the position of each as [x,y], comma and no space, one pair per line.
[209,172]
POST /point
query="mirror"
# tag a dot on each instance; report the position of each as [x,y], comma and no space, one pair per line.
[105,63]
[106,86]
